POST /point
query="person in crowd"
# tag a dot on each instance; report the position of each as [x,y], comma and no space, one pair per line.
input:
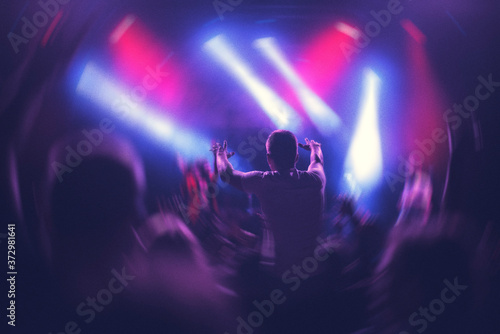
[292,200]
[93,214]
[292,203]
[178,287]
[424,282]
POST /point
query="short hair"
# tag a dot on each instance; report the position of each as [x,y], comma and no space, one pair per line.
[282,148]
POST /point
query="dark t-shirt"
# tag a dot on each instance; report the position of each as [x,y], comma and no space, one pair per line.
[292,203]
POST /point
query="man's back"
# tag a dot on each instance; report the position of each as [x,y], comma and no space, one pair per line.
[292,203]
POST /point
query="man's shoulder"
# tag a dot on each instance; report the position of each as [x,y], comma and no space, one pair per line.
[252,177]
[316,176]
[254,181]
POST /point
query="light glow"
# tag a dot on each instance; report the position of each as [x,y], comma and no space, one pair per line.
[279,111]
[121,28]
[364,158]
[348,30]
[323,117]
[110,95]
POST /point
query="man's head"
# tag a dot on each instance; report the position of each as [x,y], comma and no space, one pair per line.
[282,149]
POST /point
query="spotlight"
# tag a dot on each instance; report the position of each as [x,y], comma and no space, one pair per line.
[364,158]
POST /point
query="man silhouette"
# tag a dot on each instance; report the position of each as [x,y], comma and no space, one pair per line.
[292,200]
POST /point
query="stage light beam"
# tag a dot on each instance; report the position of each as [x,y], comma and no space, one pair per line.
[364,158]
[121,28]
[348,30]
[104,91]
[278,110]
[323,117]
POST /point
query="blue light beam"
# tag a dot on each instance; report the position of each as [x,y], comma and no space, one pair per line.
[104,91]
[280,112]
[323,117]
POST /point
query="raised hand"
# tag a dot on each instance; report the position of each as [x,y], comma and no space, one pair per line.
[217,149]
[315,149]
[310,145]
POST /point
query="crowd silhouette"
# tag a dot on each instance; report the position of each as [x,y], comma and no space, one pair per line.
[200,264]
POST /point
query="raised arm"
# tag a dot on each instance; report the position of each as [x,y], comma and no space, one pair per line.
[224,168]
[316,154]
